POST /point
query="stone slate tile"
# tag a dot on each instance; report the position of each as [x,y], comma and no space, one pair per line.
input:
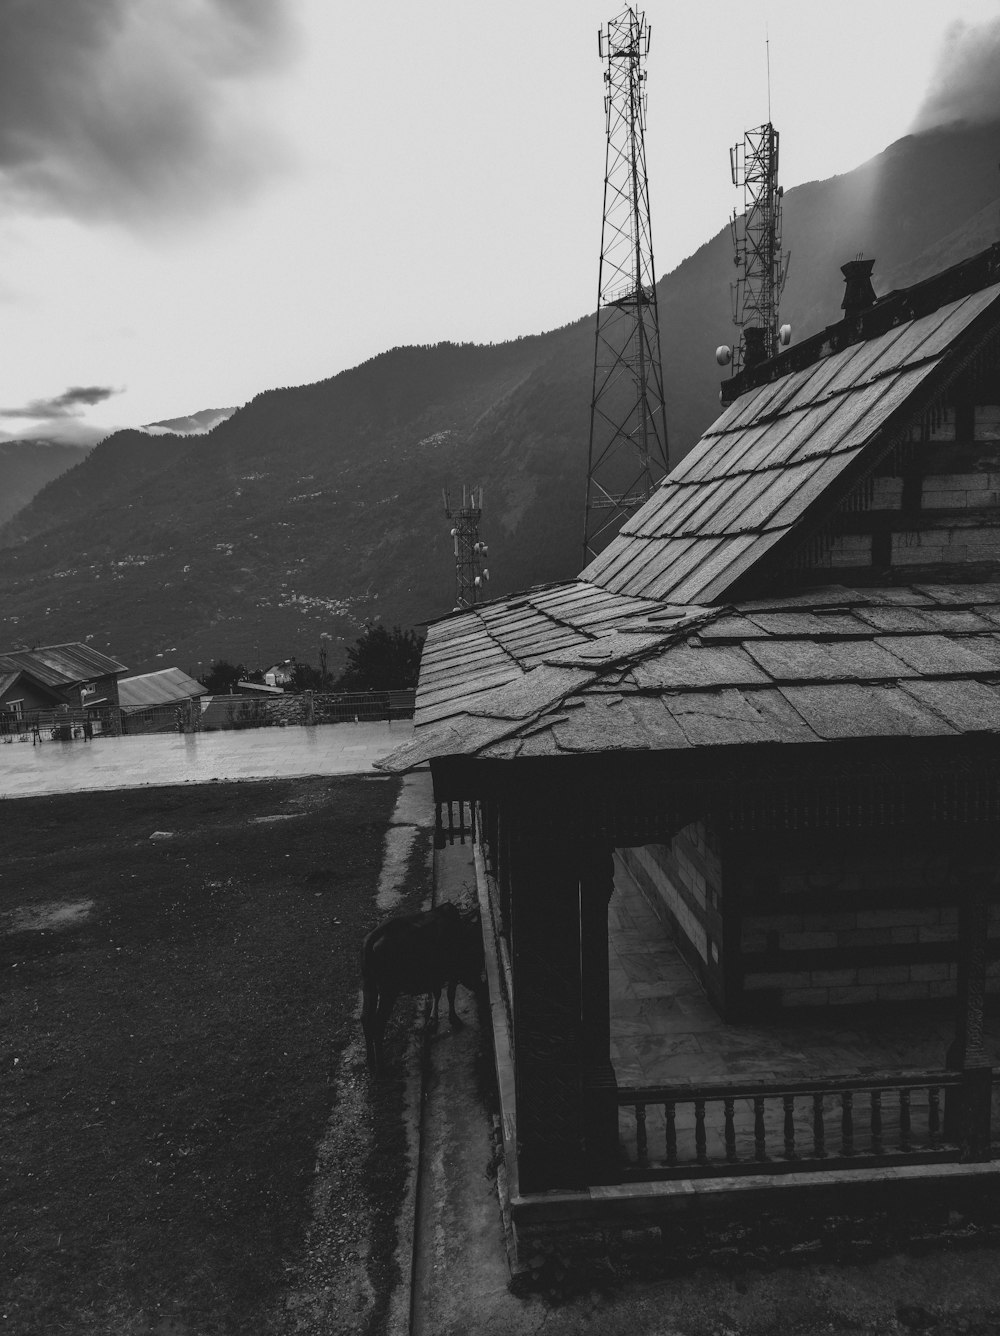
[850,710]
[720,718]
[846,660]
[934,655]
[970,707]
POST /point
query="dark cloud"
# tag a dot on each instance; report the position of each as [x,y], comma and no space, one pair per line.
[136,110]
[966,83]
[68,404]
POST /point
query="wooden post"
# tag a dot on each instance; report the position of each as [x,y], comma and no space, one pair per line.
[967,1111]
[548,1022]
[600,1084]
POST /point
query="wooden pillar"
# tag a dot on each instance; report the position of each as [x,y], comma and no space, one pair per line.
[600,1086]
[967,1111]
[548,1020]
[502,872]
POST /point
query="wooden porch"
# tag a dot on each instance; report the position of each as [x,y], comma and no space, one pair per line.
[832,1112]
[840,1087]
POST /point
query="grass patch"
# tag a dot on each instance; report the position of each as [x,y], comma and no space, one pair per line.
[167,1054]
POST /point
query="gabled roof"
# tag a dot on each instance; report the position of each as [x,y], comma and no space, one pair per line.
[922,661]
[789,448]
[62,665]
[166,687]
[634,656]
[23,676]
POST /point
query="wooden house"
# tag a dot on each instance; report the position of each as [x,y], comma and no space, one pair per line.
[70,677]
[772,702]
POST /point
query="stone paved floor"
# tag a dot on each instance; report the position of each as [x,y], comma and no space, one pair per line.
[665,1031]
[27,770]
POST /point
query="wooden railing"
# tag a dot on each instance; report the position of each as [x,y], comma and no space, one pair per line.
[778,1127]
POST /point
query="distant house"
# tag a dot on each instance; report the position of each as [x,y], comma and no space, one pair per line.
[169,686]
[280,674]
[71,676]
[160,701]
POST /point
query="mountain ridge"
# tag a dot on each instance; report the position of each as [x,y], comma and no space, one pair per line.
[314,508]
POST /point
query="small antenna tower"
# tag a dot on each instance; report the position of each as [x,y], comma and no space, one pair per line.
[627,454]
[758,255]
[470,574]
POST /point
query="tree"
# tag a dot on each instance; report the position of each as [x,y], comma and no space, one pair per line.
[222,676]
[382,660]
[306,678]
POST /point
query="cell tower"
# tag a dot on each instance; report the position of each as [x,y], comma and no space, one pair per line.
[627,455]
[471,575]
[757,244]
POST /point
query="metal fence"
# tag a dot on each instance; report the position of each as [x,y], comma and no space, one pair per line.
[59,725]
[307,708]
[218,712]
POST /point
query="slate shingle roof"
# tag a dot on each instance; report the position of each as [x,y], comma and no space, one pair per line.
[638,655]
[920,661]
[495,644]
[777,450]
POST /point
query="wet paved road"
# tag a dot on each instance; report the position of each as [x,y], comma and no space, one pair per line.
[28,770]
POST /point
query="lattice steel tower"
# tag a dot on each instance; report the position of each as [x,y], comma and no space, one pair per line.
[471,576]
[627,454]
[757,244]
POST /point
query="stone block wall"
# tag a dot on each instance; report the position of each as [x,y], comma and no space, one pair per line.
[836,926]
[933,506]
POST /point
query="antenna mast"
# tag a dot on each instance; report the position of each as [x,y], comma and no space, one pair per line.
[757,249]
[627,454]
[470,573]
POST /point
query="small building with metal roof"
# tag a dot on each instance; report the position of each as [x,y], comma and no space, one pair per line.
[773,700]
[168,686]
[50,676]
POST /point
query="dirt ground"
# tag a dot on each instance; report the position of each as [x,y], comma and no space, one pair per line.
[179,1000]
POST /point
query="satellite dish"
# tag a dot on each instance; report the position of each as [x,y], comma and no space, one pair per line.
[785,335]
[723,354]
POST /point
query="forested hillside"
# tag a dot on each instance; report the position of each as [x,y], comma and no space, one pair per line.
[314,508]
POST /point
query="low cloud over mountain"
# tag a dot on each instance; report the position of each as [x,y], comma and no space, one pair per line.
[966,84]
[67,404]
[60,417]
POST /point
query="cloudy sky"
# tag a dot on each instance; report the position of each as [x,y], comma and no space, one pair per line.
[203,199]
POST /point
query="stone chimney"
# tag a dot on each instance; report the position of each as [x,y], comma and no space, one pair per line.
[858,291]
